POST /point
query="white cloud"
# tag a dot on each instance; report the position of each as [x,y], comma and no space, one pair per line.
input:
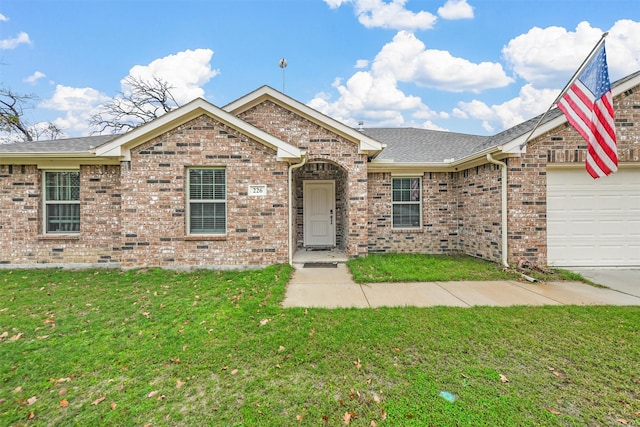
[3,18]
[623,48]
[407,58]
[432,126]
[12,43]
[456,9]
[33,79]
[392,15]
[529,103]
[375,97]
[186,71]
[362,63]
[78,104]
[549,56]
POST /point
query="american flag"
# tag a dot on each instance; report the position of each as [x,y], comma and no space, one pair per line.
[588,106]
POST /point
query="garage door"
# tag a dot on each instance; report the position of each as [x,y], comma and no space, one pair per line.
[591,222]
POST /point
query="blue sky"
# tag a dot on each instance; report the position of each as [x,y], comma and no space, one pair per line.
[471,66]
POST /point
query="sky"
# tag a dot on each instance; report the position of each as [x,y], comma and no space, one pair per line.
[468,66]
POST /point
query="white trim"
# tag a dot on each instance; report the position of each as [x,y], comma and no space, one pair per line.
[46,202]
[120,147]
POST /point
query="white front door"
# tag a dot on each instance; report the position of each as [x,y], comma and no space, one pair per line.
[319,213]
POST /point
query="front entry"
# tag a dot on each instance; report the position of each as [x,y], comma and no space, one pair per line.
[319,213]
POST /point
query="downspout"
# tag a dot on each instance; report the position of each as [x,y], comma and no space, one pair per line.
[503,168]
[292,167]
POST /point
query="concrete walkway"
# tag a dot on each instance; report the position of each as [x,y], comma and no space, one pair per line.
[334,288]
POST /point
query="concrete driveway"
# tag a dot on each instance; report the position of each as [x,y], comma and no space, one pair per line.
[626,280]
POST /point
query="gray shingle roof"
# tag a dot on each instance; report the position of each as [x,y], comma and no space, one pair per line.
[68,145]
[410,145]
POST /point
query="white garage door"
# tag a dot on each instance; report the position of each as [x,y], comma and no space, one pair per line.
[593,223]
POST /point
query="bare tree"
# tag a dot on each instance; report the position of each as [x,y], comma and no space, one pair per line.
[12,106]
[144,101]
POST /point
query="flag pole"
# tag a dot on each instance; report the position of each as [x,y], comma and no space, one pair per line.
[567,86]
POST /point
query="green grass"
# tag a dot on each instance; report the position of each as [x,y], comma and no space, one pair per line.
[377,268]
[216,348]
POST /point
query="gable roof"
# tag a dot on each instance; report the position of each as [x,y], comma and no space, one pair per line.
[366,143]
[122,145]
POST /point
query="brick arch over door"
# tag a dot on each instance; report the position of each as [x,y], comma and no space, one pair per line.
[328,171]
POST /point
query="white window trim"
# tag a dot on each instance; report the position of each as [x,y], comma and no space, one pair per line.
[419,178]
[46,203]
[188,201]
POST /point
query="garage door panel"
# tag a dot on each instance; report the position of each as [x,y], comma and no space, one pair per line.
[593,222]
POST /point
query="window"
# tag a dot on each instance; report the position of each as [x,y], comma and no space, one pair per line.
[207,206]
[62,202]
[406,201]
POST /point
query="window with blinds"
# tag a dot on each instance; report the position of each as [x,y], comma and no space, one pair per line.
[207,201]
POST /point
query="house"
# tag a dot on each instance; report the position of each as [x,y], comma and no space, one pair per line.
[249,184]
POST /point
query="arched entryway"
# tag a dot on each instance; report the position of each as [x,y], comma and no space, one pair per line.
[320,206]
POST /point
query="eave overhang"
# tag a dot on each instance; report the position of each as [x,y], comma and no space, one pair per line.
[449,165]
[121,146]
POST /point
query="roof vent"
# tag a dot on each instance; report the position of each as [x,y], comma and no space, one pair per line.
[360,124]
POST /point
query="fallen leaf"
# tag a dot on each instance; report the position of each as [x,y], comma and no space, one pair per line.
[264,322]
[152,394]
[31,400]
[383,415]
[98,400]
[235,371]
[63,391]
[31,416]
[557,374]
[16,337]
[176,361]
[553,411]
[17,389]
[298,417]
[504,379]
[4,335]
[281,349]
[358,364]
[179,383]
[113,405]
[64,403]
[347,418]
[622,421]
[372,424]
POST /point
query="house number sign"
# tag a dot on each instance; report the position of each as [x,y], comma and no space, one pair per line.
[257,190]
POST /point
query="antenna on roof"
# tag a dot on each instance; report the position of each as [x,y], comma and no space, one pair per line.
[283,64]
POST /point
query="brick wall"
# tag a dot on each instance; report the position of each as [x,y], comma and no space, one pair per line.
[153,203]
[21,238]
[439,233]
[322,145]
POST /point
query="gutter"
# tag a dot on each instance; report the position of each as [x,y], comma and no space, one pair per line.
[292,167]
[503,169]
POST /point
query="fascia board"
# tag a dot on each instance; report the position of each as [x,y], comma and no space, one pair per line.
[468,162]
[121,146]
[56,160]
[366,144]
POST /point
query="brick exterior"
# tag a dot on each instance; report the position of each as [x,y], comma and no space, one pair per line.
[134,215]
[21,239]
[322,146]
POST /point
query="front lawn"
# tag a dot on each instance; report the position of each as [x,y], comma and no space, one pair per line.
[160,348]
